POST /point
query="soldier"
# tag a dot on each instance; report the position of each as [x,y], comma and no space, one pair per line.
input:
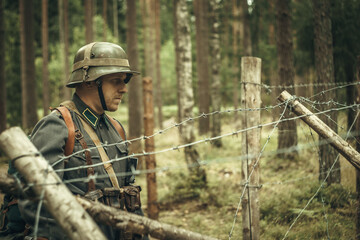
[100,74]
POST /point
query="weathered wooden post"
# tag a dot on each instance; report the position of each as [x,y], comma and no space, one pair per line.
[343,147]
[250,98]
[58,200]
[153,210]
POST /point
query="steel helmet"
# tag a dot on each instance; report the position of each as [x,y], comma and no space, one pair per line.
[98,59]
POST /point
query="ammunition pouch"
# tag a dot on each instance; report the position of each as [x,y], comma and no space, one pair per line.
[126,197]
[132,198]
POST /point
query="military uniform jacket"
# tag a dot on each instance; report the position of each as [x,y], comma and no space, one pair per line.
[50,136]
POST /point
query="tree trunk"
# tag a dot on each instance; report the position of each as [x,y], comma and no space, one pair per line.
[324,64]
[105,4]
[115,19]
[45,56]
[186,96]
[287,136]
[88,8]
[215,70]
[201,11]
[135,86]
[152,204]
[67,90]
[236,34]
[28,82]
[2,70]
[247,45]
[158,97]
[64,44]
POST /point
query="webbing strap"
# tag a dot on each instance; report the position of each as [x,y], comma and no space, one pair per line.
[104,157]
[118,127]
[69,146]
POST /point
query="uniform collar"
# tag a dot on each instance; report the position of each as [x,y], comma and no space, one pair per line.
[89,115]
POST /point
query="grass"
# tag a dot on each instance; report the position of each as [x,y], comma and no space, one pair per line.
[212,212]
[287,187]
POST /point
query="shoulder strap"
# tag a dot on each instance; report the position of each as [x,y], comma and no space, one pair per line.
[119,128]
[104,157]
[90,131]
[69,145]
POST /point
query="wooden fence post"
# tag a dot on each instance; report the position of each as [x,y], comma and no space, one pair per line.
[152,205]
[58,200]
[250,98]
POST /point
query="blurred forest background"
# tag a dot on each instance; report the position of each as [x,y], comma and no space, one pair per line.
[309,46]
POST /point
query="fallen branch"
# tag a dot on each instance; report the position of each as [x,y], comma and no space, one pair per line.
[138,224]
[114,217]
[343,147]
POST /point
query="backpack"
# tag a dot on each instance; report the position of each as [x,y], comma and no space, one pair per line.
[12,226]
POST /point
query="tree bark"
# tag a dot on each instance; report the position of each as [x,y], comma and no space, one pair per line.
[105,4]
[324,63]
[58,200]
[329,135]
[215,70]
[2,70]
[67,90]
[186,95]
[64,44]
[236,34]
[45,56]
[114,217]
[88,8]
[158,97]
[251,98]
[153,209]
[201,11]
[287,136]
[135,86]
[115,19]
[28,82]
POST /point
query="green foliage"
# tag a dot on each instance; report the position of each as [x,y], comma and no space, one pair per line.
[12,66]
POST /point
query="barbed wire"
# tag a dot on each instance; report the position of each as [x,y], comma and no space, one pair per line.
[321,185]
[234,133]
[204,115]
[136,172]
[301,85]
[208,162]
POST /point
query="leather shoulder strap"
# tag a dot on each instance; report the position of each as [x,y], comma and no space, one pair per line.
[117,126]
[104,157]
[69,145]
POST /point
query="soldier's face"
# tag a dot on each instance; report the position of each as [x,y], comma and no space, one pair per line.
[114,88]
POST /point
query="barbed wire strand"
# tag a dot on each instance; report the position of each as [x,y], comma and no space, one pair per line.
[321,185]
[203,115]
[234,133]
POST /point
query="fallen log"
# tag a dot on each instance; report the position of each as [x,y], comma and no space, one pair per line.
[114,217]
[69,213]
[343,147]
[58,200]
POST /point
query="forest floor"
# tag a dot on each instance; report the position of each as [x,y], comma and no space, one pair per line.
[287,186]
